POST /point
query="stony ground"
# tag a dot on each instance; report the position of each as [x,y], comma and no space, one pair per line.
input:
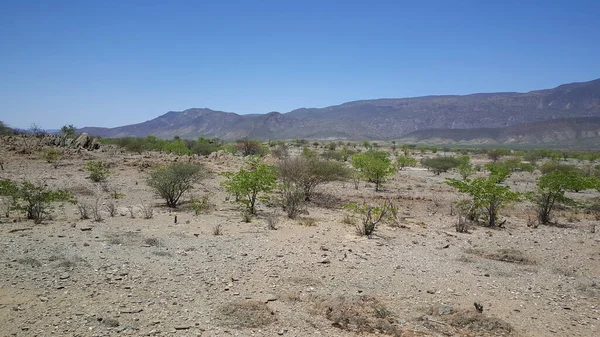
[314,276]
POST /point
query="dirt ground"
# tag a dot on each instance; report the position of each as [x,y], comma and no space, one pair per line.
[310,277]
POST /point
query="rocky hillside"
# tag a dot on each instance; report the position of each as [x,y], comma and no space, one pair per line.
[378,119]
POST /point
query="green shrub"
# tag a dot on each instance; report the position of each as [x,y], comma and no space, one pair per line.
[375,166]
[247,183]
[441,164]
[309,172]
[98,172]
[406,161]
[171,181]
[33,199]
[487,195]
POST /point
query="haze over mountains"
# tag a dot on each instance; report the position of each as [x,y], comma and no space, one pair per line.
[567,114]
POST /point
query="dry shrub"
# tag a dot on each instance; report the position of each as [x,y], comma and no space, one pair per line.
[359,314]
[246,314]
[307,222]
[218,230]
[153,242]
[505,255]
[450,321]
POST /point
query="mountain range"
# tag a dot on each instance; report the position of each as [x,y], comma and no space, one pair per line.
[569,113]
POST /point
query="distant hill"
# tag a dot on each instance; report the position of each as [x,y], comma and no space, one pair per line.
[582,132]
[393,118]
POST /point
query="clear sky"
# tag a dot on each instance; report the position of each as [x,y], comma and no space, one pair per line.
[111,63]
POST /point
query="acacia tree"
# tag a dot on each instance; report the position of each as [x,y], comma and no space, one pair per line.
[487,195]
[68,130]
[247,183]
[375,166]
[171,181]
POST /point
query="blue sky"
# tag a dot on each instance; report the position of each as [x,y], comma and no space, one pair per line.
[111,63]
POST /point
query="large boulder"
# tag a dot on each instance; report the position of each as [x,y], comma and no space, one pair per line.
[83,141]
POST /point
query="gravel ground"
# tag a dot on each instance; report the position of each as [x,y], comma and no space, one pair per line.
[419,277]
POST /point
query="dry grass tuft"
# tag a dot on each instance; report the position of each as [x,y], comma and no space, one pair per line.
[246,314]
[359,314]
[505,255]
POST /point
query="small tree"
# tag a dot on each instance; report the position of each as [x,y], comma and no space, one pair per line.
[247,183]
[551,189]
[465,169]
[487,195]
[68,130]
[406,161]
[375,166]
[170,182]
[98,172]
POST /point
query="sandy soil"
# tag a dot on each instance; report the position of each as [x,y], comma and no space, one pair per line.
[419,277]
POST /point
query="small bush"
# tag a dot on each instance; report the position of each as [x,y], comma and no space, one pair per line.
[441,164]
[98,172]
[217,230]
[111,208]
[293,200]
[308,222]
[371,216]
[96,211]
[201,205]
[52,156]
[272,220]
[84,212]
[147,211]
[171,181]
[34,199]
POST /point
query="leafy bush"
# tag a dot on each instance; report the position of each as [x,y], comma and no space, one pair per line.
[441,164]
[551,189]
[486,194]
[52,156]
[171,181]
[406,161]
[98,172]
[309,172]
[371,216]
[33,199]
[246,184]
[375,166]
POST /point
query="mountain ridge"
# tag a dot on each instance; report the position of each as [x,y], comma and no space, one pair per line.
[382,118]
